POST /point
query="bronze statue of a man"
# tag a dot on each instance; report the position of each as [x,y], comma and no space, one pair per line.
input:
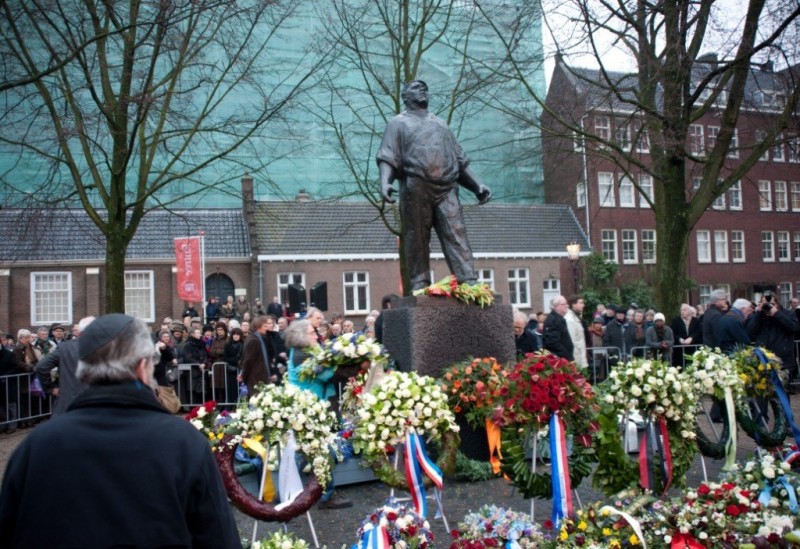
[420,151]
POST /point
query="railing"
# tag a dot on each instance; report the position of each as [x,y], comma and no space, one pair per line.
[17,404]
[197,383]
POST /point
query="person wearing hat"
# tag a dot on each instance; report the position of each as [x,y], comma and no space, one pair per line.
[659,339]
[116,470]
[615,336]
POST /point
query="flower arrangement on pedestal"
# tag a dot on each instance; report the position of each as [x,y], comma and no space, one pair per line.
[493,526]
[716,375]
[667,399]
[480,294]
[538,387]
[476,387]
[403,402]
[345,353]
[401,526]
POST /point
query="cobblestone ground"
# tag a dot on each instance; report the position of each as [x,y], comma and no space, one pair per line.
[337,528]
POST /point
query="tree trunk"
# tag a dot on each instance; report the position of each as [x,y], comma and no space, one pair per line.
[116,249]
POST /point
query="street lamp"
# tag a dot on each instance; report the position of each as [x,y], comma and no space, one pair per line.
[574,253]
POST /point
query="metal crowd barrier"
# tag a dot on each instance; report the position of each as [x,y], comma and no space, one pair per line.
[600,361]
[196,384]
[17,404]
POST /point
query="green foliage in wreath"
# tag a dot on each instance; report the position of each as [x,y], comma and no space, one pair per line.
[709,448]
[540,485]
[758,432]
[472,470]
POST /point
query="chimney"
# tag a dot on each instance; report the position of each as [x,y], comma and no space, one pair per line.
[302,196]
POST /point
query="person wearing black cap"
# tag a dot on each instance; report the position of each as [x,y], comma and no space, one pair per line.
[116,470]
[615,337]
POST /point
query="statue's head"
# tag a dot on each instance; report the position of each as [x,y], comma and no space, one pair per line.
[415,94]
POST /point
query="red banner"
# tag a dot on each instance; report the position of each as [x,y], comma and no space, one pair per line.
[190,277]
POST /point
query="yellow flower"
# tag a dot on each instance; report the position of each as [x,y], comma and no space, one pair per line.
[563,536]
[633,540]
[582,525]
[607,531]
[605,512]
[614,544]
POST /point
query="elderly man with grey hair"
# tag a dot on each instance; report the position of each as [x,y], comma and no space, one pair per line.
[730,331]
[717,306]
[116,470]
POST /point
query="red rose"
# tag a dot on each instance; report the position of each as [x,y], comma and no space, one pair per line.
[704,490]
[732,510]
[412,530]
[548,524]
[391,515]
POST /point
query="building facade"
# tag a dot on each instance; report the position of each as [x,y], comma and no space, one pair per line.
[747,242]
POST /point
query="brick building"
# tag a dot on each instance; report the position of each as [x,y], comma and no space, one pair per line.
[748,241]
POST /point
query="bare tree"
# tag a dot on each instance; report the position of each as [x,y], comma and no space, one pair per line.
[117,104]
[378,45]
[675,83]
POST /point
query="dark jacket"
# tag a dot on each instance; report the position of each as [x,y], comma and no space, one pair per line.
[708,321]
[65,358]
[730,332]
[776,333]
[275,309]
[254,370]
[116,454]
[233,353]
[194,351]
[615,337]
[212,312]
[555,337]
[526,343]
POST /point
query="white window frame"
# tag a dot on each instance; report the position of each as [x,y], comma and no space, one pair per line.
[797,246]
[284,280]
[794,195]
[696,182]
[627,192]
[719,202]
[608,247]
[146,295]
[777,150]
[519,281]
[649,246]
[764,195]
[712,133]
[767,247]
[783,245]
[735,196]
[793,150]
[486,276]
[602,129]
[351,288]
[703,246]
[785,294]
[696,140]
[733,148]
[606,180]
[642,141]
[580,194]
[704,291]
[622,136]
[645,189]
[780,196]
[630,251]
[737,246]
[51,304]
[721,246]
[577,141]
[760,136]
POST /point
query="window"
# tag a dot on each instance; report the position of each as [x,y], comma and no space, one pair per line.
[645,190]
[580,194]
[609,244]
[486,276]
[356,292]
[602,128]
[642,139]
[703,247]
[793,150]
[733,148]
[705,292]
[777,149]
[140,295]
[626,196]
[760,137]
[711,142]
[785,293]
[721,246]
[783,246]
[797,246]
[696,142]
[735,196]
[518,287]
[605,183]
[719,202]
[629,253]
[51,298]
[764,195]
[623,137]
[577,141]
[795,198]
[767,246]
[737,246]
[696,182]
[287,279]
[781,198]
[648,246]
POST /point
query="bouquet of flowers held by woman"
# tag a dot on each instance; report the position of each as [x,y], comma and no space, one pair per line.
[348,352]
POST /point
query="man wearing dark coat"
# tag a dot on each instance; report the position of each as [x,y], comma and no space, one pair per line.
[420,151]
[116,470]
[555,336]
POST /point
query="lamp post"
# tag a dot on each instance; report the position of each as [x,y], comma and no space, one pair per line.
[574,253]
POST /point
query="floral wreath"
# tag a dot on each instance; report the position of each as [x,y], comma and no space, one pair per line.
[538,386]
[267,417]
[756,378]
[403,402]
[658,391]
[402,526]
[716,375]
[476,387]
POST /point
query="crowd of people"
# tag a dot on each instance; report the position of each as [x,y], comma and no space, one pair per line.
[616,333]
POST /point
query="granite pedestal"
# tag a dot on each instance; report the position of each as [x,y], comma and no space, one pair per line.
[427,334]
